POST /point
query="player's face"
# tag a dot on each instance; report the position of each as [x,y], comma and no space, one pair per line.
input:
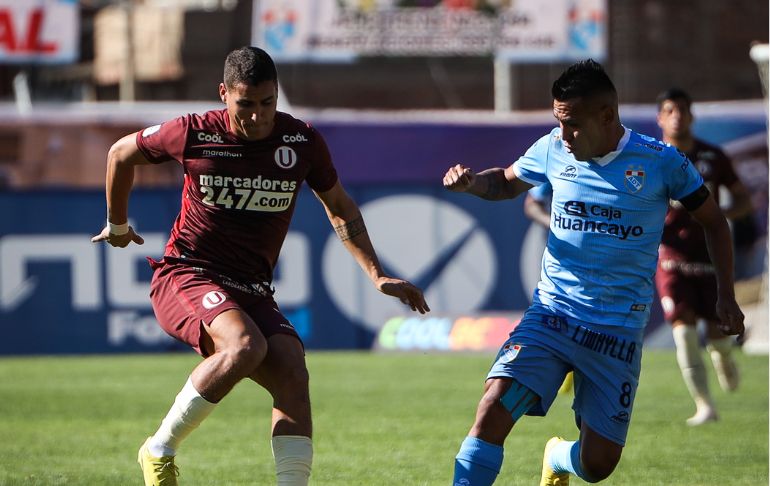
[583,127]
[674,119]
[251,108]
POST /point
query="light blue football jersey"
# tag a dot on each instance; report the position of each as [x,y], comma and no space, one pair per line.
[607,217]
[542,193]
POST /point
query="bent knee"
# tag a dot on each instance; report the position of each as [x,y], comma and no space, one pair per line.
[490,406]
[246,355]
[598,468]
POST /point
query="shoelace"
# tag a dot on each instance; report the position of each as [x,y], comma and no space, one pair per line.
[167,465]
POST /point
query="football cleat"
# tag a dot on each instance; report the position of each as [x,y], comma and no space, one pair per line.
[567,385]
[158,471]
[549,477]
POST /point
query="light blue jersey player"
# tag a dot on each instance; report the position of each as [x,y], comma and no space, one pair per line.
[611,189]
[615,206]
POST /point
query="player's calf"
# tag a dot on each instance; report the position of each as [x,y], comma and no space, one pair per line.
[720,351]
[481,454]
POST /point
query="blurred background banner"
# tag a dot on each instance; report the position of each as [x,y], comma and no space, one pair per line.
[39,31]
[60,293]
[531,30]
[400,89]
[156,40]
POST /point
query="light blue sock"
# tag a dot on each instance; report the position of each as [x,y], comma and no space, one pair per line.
[565,457]
[477,463]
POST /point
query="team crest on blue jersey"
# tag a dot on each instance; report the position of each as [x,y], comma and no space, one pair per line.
[510,351]
[634,179]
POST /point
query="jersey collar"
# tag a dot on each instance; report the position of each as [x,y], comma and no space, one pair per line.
[606,159]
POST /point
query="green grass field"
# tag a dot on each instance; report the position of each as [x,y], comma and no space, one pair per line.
[379,420]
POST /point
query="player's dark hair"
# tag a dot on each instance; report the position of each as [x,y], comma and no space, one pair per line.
[249,65]
[674,94]
[582,80]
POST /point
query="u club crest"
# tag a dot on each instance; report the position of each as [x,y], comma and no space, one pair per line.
[634,179]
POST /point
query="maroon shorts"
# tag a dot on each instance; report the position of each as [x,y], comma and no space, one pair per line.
[186,297]
[684,294]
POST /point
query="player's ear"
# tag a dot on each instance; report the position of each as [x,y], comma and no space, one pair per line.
[223,92]
[607,115]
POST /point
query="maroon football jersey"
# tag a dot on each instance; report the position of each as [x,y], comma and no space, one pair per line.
[238,196]
[683,238]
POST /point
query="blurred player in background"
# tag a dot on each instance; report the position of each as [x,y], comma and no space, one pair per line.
[611,189]
[243,166]
[537,207]
[537,204]
[686,279]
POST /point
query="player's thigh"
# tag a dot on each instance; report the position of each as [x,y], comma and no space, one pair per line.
[185,300]
[677,296]
[258,314]
[234,330]
[536,356]
[607,368]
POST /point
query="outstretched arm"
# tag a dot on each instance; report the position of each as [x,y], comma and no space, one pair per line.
[121,159]
[493,184]
[345,217]
[720,248]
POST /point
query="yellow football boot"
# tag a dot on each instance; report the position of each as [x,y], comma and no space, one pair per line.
[158,471]
[549,477]
[567,385]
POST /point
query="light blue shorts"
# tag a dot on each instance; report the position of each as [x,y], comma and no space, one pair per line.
[606,360]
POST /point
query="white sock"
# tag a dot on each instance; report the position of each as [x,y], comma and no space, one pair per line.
[186,414]
[293,456]
[722,345]
[720,350]
[688,355]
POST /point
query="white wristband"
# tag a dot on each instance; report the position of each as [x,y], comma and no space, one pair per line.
[118,229]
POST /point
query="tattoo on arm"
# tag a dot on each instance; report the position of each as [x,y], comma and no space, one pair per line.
[494,187]
[350,229]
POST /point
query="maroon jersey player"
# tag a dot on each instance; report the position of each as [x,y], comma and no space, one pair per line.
[685,277]
[243,169]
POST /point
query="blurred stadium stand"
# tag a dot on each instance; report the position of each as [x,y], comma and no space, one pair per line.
[180,45]
[651,45]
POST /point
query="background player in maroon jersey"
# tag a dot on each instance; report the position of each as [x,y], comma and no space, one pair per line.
[243,168]
[685,277]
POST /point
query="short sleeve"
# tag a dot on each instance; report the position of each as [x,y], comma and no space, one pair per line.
[322,175]
[164,142]
[682,178]
[542,192]
[531,167]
